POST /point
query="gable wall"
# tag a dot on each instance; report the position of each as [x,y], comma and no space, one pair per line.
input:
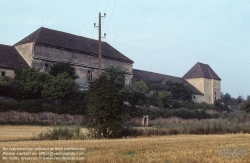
[26,51]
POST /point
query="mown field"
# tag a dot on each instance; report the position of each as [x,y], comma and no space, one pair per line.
[174,148]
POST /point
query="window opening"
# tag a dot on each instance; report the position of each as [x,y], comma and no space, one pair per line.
[3,73]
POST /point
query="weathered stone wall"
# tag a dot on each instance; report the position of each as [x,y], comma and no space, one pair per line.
[26,51]
[8,72]
[86,65]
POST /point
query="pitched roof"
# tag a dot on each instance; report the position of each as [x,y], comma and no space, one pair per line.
[49,37]
[10,58]
[200,70]
[146,75]
[241,98]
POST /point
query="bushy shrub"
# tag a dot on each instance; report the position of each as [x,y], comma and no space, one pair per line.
[62,133]
[8,104]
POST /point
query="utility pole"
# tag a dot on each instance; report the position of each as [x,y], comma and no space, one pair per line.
[99,58]
[100,42]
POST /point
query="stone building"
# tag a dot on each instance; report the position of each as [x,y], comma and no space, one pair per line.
[10,59]
[45,47]
[204,82]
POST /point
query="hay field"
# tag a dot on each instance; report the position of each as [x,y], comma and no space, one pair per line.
[177,148]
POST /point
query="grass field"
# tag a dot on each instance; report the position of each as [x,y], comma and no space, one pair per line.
[177,148]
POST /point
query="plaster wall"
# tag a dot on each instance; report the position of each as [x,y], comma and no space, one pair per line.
[8,72]
[26,51]
[211,89]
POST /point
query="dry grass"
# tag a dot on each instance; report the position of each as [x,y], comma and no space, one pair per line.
[177,148]
[15,133]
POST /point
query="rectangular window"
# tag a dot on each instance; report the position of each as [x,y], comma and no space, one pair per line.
[194,97]
[89,76]
[214,93]
[89,79]
[215,98]
[46,67]
[3,73]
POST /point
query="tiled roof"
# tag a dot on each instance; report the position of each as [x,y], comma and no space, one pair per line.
[68,41]
[200,70]
[146,75]
[10,58]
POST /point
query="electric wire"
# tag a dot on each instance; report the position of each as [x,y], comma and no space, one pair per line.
[110,16]
[95,15]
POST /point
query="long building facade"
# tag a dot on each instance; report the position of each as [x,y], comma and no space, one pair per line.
[45,47]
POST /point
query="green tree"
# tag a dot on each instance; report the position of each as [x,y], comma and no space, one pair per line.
[180,91]
[140,86]
[105,105]
[137,97]
[63,67]
[164,99]
[30,82]
[61,86]
[247,106]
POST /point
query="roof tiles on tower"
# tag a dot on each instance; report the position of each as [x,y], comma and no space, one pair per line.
[200,70]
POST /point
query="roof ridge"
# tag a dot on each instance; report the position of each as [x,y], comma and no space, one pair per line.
[199,65]
[157,73]
[38,33]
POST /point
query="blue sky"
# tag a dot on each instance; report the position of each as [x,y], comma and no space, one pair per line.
[164,36]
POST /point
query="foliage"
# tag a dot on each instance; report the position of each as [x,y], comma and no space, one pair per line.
[60,86]
[63,67]
[164,99]
[228,100]
[180,91]
[220,106]
[137,95]
[140,86]
[30,82]
[247,106]
[8,88]
[62,133]
[106,111]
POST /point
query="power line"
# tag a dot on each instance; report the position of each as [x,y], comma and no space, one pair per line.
[106,6]
[105,10]
[95,15]
[110,16]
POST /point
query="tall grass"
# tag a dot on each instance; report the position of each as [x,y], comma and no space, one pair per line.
[43,118]
[170,126]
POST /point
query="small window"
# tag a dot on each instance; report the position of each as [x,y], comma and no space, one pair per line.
[215,98]
[46,65]
[214,93]
[194,97]
[89,71]
[89,79]
[3,73]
